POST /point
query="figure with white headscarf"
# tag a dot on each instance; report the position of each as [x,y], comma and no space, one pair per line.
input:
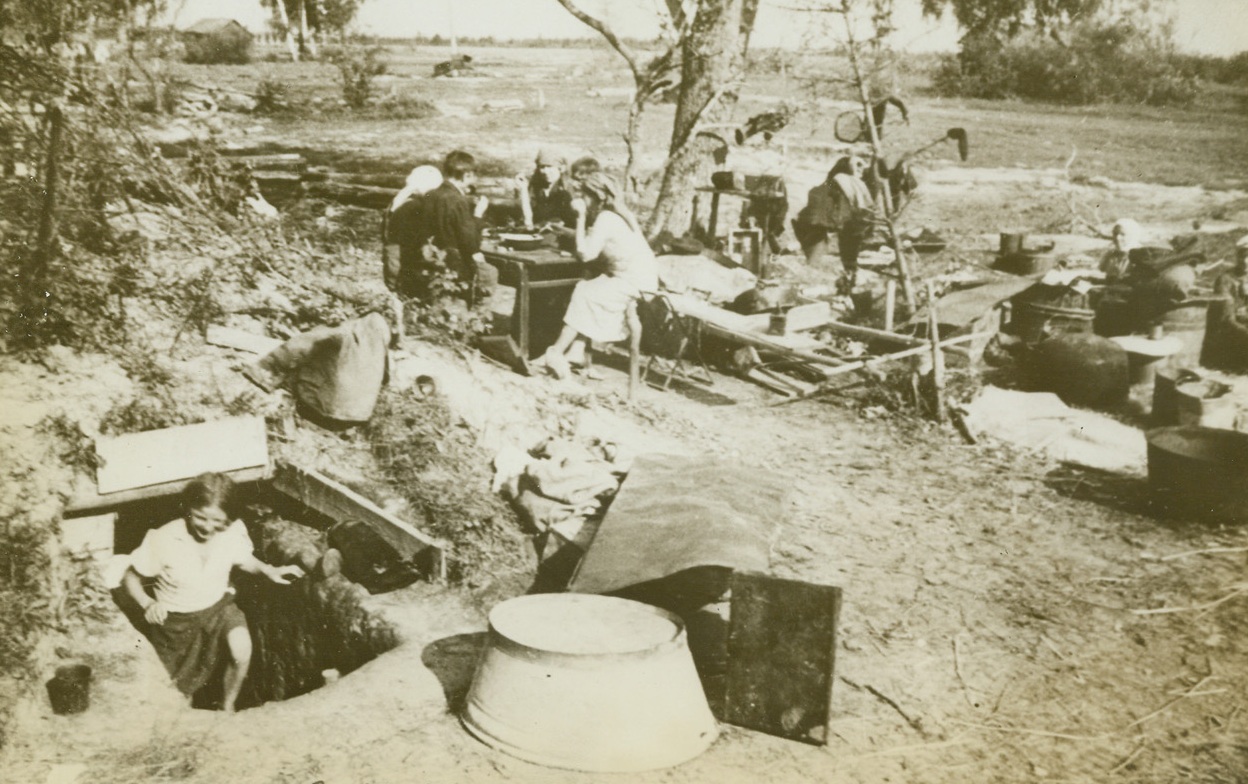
[603,308]
[399,248]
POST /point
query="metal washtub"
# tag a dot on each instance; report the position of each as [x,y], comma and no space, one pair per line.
[589,682]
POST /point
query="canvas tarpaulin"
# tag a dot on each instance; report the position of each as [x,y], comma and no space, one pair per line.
[337,372]
[677,513]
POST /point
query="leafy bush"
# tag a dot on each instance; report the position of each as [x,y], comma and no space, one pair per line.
[357,69]
[1111,62]
[227,47]
[1233,70]
[272,97]
[25,606]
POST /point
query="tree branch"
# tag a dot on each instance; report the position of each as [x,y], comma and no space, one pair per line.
[597,24]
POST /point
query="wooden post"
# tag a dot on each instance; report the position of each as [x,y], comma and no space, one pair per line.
[890,304]
[938,358]
[45,241]
[634,352]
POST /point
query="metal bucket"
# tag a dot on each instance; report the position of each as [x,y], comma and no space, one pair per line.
[1200,472]
[589,682]
[1187,322]
[70,690]
[1205,402]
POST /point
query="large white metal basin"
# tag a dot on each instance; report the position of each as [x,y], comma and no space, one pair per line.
[589,682]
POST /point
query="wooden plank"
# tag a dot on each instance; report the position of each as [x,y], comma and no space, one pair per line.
[772,343]
[89,536]
[868,334]
[763,378]
[283,161]
[938,356]
[228,337]
[157,457]
[781,656]
[87,500]
[946,345]
[809,316]
[354,195]
[341,503]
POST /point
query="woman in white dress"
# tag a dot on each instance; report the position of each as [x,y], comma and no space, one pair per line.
[602,308]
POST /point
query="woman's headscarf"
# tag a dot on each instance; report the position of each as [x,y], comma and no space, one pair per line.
[843,165]
[421,180]
[1130,232]
[854,188]
[607,193]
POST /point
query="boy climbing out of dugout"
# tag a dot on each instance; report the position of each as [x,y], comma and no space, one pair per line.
[190,614]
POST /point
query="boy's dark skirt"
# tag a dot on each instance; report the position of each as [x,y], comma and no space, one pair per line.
[193,645]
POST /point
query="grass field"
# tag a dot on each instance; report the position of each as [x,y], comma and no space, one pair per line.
[1201,145]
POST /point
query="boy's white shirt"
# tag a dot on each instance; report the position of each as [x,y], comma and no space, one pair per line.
[191,575]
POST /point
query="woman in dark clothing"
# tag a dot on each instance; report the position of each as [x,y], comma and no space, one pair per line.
[399,248]
[841,204]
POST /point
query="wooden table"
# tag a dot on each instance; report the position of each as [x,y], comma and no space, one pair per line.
[544,272]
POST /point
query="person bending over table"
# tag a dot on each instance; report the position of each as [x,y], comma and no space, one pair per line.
[544,196]
[602,308]
[841,204]
[448,231]
[192,620]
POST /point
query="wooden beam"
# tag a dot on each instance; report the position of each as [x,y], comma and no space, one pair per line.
[763,343]
[869,333]
[240,340]
[913,351]
[87,500]
[938,357]
[340,502]
[354,195]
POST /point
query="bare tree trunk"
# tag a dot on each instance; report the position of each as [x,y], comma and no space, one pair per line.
[632,139]
[886,208]
[306,44]
[712,67]
[310,33]
[283,21]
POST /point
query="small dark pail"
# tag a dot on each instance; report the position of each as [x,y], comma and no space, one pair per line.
[70,690]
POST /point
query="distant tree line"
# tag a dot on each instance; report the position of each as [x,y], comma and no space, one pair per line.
[1068,52]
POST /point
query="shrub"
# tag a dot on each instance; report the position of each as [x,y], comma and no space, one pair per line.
[25,604]
[1234,70]
[1101,62]
[272,97]
[226,47]
[358,68]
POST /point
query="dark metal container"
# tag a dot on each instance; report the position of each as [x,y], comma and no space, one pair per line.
[1200,472]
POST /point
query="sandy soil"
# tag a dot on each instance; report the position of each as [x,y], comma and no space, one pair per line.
[992,598]
[992,629]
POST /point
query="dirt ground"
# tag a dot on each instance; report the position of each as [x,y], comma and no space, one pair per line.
[995,627]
